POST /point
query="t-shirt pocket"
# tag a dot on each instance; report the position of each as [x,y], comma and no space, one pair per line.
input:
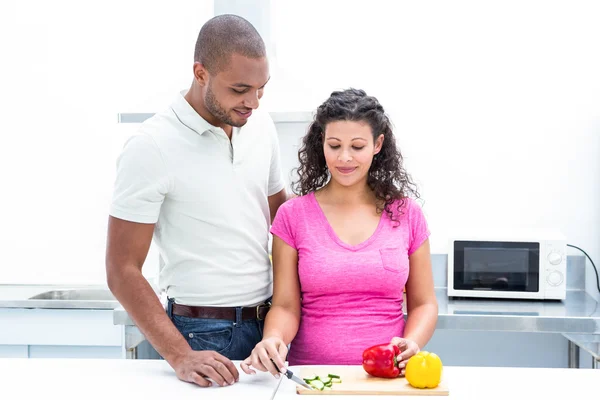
[391,259]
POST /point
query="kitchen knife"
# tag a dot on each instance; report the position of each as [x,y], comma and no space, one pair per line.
[290,375]
[299,381]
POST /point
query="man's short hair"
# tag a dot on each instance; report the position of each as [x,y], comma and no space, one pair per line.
[224,35]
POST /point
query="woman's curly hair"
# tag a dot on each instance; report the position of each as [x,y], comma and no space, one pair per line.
[387,177]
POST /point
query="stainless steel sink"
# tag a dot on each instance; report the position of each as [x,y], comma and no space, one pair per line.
[75,298]
[77,294]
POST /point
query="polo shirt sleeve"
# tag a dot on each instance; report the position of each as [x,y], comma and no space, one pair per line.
[141,182]
[284,224]
[276,181]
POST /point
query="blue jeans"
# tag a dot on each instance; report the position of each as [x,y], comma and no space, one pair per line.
[232,339]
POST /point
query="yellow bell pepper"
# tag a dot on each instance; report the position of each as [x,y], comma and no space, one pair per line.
[424,370]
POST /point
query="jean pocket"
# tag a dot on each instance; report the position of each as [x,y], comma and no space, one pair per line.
[391,259]
[204,334]
[218,341]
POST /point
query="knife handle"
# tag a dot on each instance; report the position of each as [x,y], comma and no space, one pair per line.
[276,367]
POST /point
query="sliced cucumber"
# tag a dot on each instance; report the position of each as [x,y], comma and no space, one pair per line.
[317,384]
[323,382]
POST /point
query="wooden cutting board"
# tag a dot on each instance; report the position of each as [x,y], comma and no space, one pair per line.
[356,381]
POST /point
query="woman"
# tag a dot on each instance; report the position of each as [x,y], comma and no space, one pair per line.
[343,250]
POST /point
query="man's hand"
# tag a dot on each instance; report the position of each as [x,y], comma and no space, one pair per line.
[199,366]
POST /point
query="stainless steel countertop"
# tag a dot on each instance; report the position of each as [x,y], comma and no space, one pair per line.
[590,343]
[578,313]
[93,297]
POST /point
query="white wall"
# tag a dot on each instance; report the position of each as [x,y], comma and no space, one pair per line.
[496,104]
[496,107]
[68,68]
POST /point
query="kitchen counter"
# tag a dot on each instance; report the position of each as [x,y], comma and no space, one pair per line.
[154,379]
[588,343]
[106,379]
[57,297]
[578,313]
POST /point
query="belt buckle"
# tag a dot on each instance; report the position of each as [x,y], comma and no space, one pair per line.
[258,318]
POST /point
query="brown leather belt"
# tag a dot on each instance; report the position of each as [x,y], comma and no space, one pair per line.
[258,312]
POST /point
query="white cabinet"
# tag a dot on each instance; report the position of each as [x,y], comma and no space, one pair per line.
[14,351]
[51,333]
[113,352]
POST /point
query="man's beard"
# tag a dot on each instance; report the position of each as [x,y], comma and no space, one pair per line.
[215,108]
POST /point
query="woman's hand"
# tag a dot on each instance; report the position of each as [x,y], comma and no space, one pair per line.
[408,348]
[267,354]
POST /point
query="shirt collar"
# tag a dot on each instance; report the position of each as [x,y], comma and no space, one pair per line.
[189,117]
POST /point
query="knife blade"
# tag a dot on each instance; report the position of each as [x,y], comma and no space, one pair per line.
[298,381]
[290,375]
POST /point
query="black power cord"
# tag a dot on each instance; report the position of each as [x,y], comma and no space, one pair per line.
[593,265]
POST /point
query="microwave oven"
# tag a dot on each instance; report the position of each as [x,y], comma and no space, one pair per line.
[523,265]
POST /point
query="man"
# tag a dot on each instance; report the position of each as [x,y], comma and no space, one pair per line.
[203,178]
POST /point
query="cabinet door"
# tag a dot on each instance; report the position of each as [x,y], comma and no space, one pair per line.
[44,333]
[113,352]
[7,351]
[45,327]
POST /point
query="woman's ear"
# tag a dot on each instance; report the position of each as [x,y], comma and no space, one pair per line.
[378,144]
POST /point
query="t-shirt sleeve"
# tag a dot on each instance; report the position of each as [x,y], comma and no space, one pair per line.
[284,224]
[418,226]
[276,181]
[141,182]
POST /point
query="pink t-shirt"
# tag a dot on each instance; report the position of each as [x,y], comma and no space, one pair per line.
[351,295]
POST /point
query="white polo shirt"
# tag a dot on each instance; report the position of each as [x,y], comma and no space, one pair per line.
[208,198]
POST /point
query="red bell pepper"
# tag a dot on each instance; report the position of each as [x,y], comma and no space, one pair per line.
[381,360]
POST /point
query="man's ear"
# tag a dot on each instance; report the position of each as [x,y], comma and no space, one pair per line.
[200,74]
[379,143]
